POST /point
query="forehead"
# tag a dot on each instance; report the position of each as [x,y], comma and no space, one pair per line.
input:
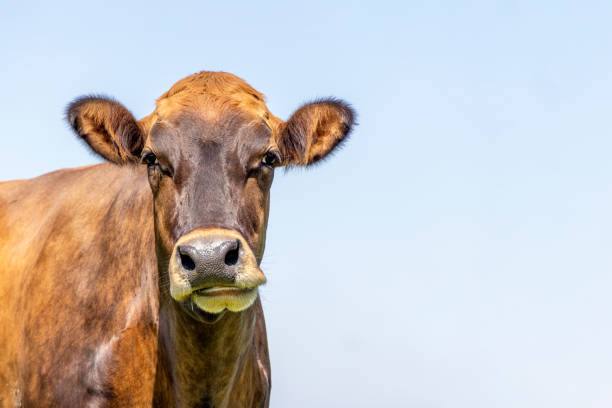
[190,128]
[214,96]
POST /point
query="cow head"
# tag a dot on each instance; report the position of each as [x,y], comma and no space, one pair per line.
[211,147]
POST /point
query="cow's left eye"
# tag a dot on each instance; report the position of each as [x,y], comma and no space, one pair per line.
[271,159]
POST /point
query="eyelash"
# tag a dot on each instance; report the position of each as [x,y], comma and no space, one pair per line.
[150,159]
[271,159]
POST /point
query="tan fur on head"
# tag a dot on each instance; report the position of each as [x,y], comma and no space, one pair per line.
[222,89]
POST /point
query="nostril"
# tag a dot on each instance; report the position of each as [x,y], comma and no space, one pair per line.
[187,262]
[231,257]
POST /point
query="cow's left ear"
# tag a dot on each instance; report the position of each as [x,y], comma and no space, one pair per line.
[314,130]
[107,127]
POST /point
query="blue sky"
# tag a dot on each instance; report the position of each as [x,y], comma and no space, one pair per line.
[456,252]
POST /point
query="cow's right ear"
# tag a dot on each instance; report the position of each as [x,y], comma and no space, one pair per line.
[107,127]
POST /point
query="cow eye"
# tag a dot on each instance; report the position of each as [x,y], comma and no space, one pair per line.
[149,159]
[271,159]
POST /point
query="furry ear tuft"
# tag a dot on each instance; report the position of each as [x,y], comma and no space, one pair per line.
[107,127]
[315,130]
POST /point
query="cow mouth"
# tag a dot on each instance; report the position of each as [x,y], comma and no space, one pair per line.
[213,301]
[222,291]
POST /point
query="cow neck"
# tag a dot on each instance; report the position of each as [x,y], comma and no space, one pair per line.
[198,362]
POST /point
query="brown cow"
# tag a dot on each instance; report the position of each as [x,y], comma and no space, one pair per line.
[116,296]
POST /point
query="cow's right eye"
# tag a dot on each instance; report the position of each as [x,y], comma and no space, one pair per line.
[149,159]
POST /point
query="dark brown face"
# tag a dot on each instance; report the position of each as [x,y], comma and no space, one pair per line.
[210,148]
[211,183]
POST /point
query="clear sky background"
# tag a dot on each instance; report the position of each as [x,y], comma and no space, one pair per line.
[456,252]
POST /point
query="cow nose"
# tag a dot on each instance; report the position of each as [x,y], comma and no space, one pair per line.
[209,255]
[204,260]
[208,258]
[214,269]
[210,261]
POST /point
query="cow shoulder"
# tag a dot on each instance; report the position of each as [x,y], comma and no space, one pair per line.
[83,273]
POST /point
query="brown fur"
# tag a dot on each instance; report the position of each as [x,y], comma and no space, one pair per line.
[87,316]
[80,313]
